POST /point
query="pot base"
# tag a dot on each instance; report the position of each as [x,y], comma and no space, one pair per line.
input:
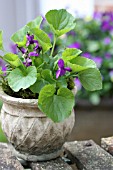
[35,158]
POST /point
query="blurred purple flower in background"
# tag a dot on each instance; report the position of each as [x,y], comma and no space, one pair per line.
[97,15]
[107,55]
[62,70]
[87,55]
[13,48]
[78,84]
[75,45]
[107,40]
[4,69]
[107,21]
[98,61]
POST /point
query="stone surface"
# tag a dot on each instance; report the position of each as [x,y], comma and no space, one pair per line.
[107,144]
[57,164]
[7,160]
[32,134]
[88,155]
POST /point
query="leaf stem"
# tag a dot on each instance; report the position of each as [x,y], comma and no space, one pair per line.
[53,45]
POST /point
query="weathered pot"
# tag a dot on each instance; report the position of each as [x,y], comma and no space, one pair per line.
[31,133]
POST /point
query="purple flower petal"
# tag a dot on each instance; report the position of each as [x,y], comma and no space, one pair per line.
[23,50]
[34,53]
[62,72]
[61,63]
[30,39]
[68,69]
[37,45]
[58,73]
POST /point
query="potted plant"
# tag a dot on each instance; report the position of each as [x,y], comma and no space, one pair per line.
[38,128]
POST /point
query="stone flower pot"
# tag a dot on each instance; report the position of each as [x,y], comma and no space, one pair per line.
[32,135]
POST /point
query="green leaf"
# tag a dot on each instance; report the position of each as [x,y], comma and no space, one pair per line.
[12,59]
[60,21]
[20,36]
[56,106]
[81,63]
[39,84]
[61,82]
[35,23]
[1,41]
[47,75]
[18,79]
[91,79]
[42,38]
[70,53]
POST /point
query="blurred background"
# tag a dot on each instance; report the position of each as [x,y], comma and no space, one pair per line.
[94,36]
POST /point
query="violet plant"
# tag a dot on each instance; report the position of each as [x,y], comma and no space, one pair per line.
[35,72]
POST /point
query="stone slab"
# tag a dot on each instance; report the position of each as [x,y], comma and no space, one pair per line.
[107,144]
[7,160]
[88,155]
[56,164]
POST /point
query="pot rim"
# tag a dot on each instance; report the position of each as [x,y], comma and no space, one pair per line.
[19,101]
[15,101]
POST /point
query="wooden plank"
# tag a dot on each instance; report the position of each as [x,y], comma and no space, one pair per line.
[7,160]
[88,155]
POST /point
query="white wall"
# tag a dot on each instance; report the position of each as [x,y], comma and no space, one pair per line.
[84,7]
[14,14]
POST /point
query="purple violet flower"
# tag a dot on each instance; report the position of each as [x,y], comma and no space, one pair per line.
[34,53]
[107,40]
[28,62]
[75,45]
[30,40]
[62,70]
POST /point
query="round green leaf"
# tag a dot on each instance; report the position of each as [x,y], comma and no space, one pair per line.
[56,106]
[70,53]
[42,38]
[60,21]
[35,23]
[91,79]
[81,63]
[18,79]
[12,59]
